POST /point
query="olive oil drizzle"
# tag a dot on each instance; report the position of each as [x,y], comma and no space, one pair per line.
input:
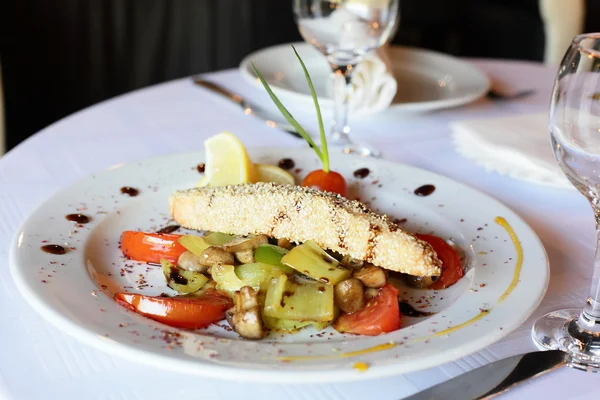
[455,328]
[517,274]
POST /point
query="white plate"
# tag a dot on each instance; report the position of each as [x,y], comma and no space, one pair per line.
[73,291]
[427,80]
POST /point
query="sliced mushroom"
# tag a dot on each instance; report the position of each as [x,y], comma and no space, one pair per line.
[350,262]
[215,255]
[349,295]
[286,244]
[371,276]
[243,244]
[245,257]
[420,282]
[191,262]
[245,317]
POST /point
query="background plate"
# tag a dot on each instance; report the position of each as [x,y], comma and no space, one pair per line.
[427,80]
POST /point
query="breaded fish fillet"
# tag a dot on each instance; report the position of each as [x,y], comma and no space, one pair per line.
[299,214]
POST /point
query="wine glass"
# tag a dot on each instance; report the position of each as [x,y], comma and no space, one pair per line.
[575,134]
[345,31]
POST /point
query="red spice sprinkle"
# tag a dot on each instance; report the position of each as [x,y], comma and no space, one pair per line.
[482,285]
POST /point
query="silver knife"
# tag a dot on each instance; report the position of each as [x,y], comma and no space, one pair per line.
[270,119]
[495,378]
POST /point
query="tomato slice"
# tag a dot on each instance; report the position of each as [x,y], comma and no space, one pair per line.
[451,269]
[328,181]
[380,315]
[179,312]
[151,247]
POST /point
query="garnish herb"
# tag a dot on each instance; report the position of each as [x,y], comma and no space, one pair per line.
[322,152]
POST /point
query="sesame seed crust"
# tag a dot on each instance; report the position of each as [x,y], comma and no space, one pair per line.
[299,214]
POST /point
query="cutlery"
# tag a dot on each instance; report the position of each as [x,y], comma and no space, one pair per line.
[496,378]
[249,108]
[497,95]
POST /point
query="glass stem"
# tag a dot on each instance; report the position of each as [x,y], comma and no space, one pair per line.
[341,99]
[590,316]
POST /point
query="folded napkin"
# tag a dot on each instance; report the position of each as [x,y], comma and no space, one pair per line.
[373,86]
[515,146]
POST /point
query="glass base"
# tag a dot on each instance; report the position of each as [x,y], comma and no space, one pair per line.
[362,150]
[559,330]
[348,147]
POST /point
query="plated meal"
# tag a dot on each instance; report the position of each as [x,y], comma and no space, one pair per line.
[271,264]
[280,257]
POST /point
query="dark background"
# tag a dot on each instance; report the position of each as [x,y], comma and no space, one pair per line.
[59,56]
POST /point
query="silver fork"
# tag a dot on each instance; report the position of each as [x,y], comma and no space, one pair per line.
[272,120]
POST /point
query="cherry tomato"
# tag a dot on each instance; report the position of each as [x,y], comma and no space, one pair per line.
[328,181]
[380,315]
[179,312]
[451,269]
[151,247]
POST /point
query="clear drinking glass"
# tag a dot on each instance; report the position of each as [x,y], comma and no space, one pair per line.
[575,134]
[345,31]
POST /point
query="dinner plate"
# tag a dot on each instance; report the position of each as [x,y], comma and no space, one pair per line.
[427,80]
[74,291]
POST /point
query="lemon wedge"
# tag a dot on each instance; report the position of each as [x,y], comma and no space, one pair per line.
[271,173]
[227,162]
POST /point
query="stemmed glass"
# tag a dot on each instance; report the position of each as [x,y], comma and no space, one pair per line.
[575,134]
[345,31]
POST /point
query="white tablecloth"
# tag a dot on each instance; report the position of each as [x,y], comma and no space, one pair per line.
[39,362]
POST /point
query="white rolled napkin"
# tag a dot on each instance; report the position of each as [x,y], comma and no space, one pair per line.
[516,146]
[373,86]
